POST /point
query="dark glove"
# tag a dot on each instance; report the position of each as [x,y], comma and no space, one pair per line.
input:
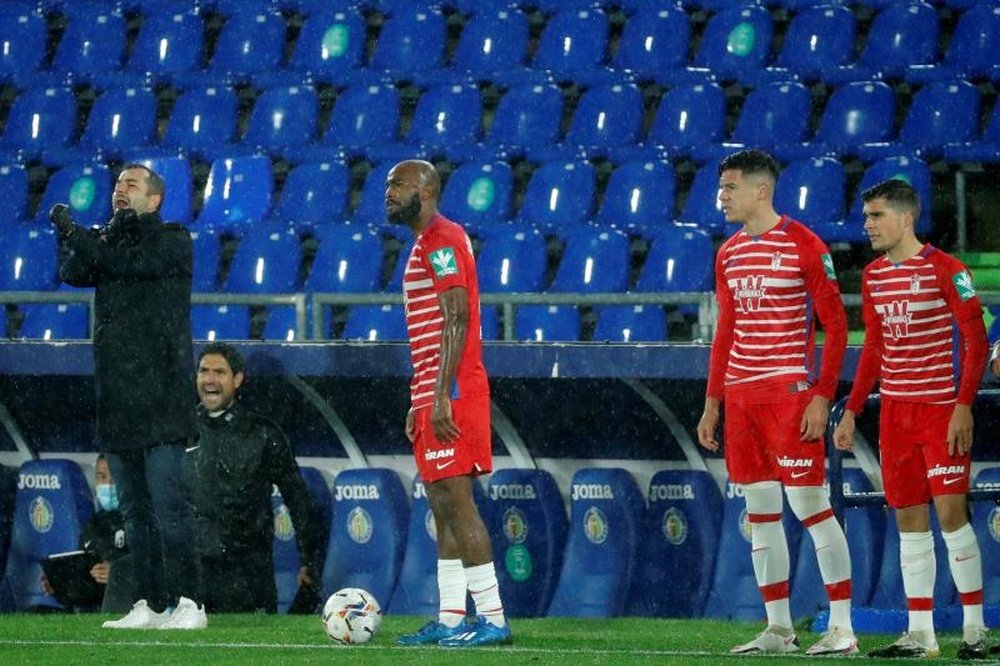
[124,221]
[61,219]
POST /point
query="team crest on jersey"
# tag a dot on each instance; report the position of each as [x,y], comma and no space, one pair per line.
[749,291]
[963,284]
[775,261]
[896,318]
[915,284]
[444,263]
[828,266]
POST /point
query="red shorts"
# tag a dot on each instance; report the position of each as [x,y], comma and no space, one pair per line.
[913,446]
[763,442]
[471,454]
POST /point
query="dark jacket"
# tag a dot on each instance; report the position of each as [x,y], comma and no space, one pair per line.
[239,456]
[104,536]
[143,358]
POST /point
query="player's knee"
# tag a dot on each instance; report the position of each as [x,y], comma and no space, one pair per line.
[763,497]
[807,502]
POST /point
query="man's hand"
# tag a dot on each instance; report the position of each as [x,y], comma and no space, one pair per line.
[61,219]
[411,425]
[708,423]
[843,435]
[444,426]
[960,430]
[100,572]
[305,578]
[814,419]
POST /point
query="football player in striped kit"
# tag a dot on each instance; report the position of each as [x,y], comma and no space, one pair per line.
[914,298]
[773,277]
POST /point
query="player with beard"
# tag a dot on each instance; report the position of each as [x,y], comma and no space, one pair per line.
[449,418]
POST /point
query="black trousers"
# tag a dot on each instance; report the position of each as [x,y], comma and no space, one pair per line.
[239,583]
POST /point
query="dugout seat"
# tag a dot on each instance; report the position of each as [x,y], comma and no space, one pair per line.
[676,558]
[986,522]
[889,592]
[52,505]
[528,528]
[605,530]
[368,532]
[417,592]
[286,551]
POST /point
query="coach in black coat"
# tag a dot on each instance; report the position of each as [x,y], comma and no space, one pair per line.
[144,368]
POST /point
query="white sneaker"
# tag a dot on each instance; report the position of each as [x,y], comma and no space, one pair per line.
[835,641]
[769,642]
[140,617]
[187,615]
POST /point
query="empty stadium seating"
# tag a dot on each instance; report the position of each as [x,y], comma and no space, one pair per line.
[286,555]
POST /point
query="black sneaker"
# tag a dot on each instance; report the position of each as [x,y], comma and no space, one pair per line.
[978,648]
[906,647]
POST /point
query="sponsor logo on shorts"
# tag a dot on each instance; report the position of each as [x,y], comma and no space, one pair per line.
[786,462]
[439,454]
[946,470]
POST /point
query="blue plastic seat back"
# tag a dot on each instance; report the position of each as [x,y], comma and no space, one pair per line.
[856,113]
[573,41]
[14,190]
[817,40]
[542,323]
[178,183]
[368,532]
[376,323]
[736,40]
[30,259]
[559,194]
[365,115]
[527,116]
[594,260]
[417,591]
[445,116]
[281,324]
[314,193]
[631,323]
[121,119]
[203,121]
[680,258]
[606,509]
[86,188]
[169,42]
[23,43]
[492,42]
[986,522]
[93,43]
[942,112]
[910,169]
[511,259]
[238,191]
[283,117]
[812,191]
[607,116]
[479,193]
[410,36]
[286,551]
[639,193]
[676,558]
[251,42]
[688,116]
[52,505]
[529,530]
[702,207]
[902,34]
[55,321]
[266,262]
[974,48]
[370,208]
[330,45]
[220,322]
[40,119]
[773,114]
[348,260]
[654,40]
[207,250]
[889,591]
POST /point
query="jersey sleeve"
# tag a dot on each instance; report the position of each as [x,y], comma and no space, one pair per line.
[869,364]
[449,258]
[821,284]
[723,341]
[960,293]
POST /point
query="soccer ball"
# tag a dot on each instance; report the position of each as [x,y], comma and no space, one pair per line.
[351,616]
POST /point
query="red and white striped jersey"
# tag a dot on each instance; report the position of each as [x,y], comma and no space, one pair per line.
[441,259]
[768,288]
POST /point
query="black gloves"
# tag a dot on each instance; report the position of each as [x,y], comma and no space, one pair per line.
[124,223]
[61,219]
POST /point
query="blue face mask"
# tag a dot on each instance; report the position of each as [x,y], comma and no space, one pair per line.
[107,496]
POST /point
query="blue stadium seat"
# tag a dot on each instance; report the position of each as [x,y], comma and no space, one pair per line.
[913,170]
[206,249]
[941,113]
[889,591]
[813,191]
[702,206]
[395,284]
[415,35]
[559,194]
[417,592]
[237,193]
[280,324]
[93,45]
[170,42]
[546,323]
[55,321]
[986,522]
[818,39]
[492,45]
[654,44]
[605,530]
[202,122]
[286,550]
[370,208]
[30,259]
[266,262]
[736,43]
[220,322]
[529,529]
[901,35]
[23,44]
[330,49]
[87,188]
[314,193]
[856,114]
[680,258]
[974,49]
[573,47]
[639,195]
[527,116]
[689,116]
[446,117]
[177,179]
[52,505]
[984,148]
[512,258]
[375,323]
[479,194]
[348,260]
[283,120]
[14,191]
[606,123]
[368,526]
[676,559]
[40,120]
[121,120]
[363,116]
[630,323]
[594,260]
[252,41]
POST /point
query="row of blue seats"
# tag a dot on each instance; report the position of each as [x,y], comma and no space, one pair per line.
[684,550]
[639,196]
[858,119]
[904,41]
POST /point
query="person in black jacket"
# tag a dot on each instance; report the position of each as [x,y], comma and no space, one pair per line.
[143,365]
[240,455]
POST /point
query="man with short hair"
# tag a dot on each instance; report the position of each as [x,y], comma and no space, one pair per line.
[914,297]
[773,276]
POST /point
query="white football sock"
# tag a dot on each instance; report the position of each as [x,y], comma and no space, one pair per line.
[916,556]
[966,565]
[769,549]
[486,593]
[451,591]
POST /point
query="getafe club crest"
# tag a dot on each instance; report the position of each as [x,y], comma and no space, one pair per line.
[515,527]
[359,525]
[595,525]
[41,515]
[283,528]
